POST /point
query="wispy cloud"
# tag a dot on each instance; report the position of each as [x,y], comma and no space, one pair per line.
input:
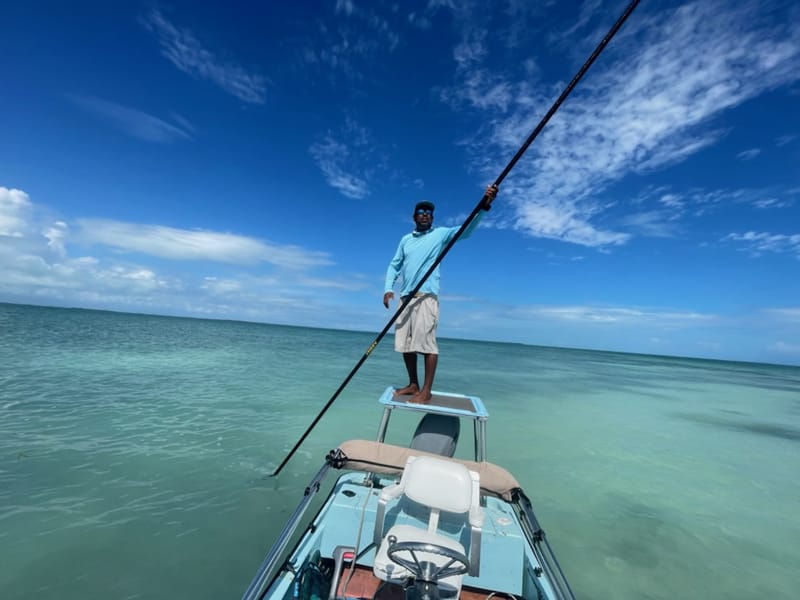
[342,163]
[749,154]
[672,205]
[185,51]
[650,102]
[184,244]
[758,243]
[134,122]
[615,315]
[770,202]
[652,223]
[352,43]
[331,157]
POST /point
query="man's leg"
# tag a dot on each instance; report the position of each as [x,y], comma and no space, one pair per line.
[423,396]
[410,358]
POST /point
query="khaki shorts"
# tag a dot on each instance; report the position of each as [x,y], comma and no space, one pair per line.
[415,330]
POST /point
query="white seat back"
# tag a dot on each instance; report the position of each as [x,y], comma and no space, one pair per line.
[438,484]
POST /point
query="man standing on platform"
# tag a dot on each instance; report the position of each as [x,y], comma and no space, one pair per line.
[415,330]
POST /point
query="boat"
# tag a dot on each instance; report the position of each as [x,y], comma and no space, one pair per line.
[413,522]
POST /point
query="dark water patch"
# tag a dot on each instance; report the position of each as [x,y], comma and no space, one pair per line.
[730,411]
[642,534]
[783,432]
[672,372]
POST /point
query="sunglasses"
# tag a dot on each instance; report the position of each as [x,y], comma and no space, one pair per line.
[424,211]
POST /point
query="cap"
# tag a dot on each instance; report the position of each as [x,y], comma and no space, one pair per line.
[424,204]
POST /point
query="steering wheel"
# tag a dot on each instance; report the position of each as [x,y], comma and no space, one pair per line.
[425,570]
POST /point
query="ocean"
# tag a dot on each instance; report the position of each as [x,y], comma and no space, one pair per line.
[135,452]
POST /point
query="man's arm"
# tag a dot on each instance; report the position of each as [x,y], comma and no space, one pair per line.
[392,273]
[488,197]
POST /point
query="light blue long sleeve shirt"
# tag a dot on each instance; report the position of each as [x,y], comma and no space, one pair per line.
[416,253]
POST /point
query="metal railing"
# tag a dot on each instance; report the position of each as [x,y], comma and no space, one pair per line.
[268,568]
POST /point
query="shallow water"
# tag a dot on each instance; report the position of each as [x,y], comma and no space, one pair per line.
[134,450]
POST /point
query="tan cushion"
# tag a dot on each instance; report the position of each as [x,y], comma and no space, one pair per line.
[377,457]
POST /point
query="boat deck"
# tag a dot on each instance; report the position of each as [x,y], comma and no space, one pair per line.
[354,507]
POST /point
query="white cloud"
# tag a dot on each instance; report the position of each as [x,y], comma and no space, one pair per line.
[181,48]
[652,223]
[134,122]
[471,49]
[222,286]
[353,43]
[14,207]
[698,202]
[26,230]
[56,235]
[648,103]
[35,262]
[340,162]
[615,315]
[483,89]
[672,201]
[564,220]
[36,277]
[185,244]
[350,284]
[131,267]
[749,154]
[330,156]
[759,242]
[771,203]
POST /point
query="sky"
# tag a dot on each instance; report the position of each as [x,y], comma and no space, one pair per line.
[260,161]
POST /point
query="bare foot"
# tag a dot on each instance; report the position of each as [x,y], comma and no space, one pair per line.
[411,388]
[421,397]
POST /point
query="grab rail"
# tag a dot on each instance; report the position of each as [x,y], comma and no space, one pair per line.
[541,547]
[265,572]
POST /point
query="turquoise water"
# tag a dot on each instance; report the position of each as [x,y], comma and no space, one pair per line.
[134,450]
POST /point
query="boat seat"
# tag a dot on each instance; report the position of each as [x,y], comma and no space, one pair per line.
[438,485]
[437,434]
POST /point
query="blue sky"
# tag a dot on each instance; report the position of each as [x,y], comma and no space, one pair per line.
[260,161]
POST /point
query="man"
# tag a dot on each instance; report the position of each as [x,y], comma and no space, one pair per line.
[415,330]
